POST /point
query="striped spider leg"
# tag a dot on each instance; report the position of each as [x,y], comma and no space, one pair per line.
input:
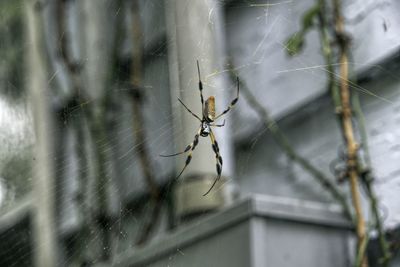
[200,87]
[218,157]
[234,101]
[214,143]
[207,122]
[190,148]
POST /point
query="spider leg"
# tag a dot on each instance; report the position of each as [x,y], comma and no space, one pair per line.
[219,161]
[234,101]
[191,146]
[197,117]
[189,157]
[200,87]
[218,125]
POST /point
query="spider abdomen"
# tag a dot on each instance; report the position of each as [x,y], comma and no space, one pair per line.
[209,109]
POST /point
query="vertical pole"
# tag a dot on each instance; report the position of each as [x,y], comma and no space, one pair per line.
[195,32]
[44,215]
[192,34]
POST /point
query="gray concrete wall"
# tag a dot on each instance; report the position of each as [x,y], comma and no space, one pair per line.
[256,37]
[313,131]
[291,89]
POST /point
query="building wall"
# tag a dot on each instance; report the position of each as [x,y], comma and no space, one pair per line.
[293,90]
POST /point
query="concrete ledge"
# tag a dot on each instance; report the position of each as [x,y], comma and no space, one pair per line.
[300,211]
[271,208]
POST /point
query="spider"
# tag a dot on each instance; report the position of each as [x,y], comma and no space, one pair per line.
[206,122]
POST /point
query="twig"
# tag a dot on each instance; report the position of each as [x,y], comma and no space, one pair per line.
[281,139]
[138,121]
[361,252]
[96,131]
[384,246]
[327,50]
[368,180]
[326,47]
[73,74]
[347,126]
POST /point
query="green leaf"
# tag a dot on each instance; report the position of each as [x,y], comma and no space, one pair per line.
[295,43]
[308,17]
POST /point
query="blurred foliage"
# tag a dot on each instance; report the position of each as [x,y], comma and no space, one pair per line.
[11,48]
[17,175]
[16,134]
[295,43]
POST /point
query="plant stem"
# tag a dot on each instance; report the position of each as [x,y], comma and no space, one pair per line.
[368,180]
[282,141]
[138,122]
[97,132]
[347,127]
[361,252]
[384,246]
[326,47]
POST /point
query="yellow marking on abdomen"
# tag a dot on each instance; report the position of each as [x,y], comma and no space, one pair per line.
[209,109]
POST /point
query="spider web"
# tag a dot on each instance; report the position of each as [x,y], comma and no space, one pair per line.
[250,38]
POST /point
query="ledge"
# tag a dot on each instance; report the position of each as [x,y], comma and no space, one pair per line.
[276,208]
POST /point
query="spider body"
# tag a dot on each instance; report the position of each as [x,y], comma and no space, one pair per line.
[206,123]
[208,116]
[205,128]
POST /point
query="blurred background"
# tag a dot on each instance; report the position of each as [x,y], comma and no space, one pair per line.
[89,101]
